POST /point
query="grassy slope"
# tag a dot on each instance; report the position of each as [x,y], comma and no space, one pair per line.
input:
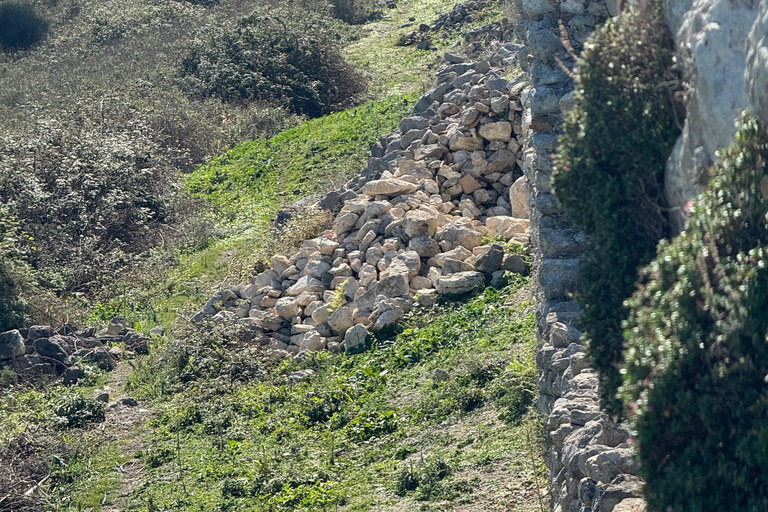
[244,188]
[372,431]
[483,452]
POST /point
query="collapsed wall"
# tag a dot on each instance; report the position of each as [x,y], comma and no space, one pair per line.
[424,219]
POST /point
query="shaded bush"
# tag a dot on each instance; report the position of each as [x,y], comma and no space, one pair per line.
[20,26]
[277,55]
[11,307]
[610,172]
[697,346]
[352,11]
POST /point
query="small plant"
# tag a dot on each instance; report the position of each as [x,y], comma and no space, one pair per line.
[20,26]
[74,410]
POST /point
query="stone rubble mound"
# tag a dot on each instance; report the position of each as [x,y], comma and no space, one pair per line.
[410,228]
[41,351]
[457,19]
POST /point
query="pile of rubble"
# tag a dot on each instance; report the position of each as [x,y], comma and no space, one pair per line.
[42,351]
[431,215]
[457,19]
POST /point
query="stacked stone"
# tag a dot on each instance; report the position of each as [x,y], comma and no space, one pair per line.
[409,229]
[41,351]
[590,460]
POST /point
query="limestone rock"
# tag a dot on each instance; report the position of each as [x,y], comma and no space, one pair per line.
[11,345]
[388,187]
[461,283]
[341,321]
[354,340]
[500,131]
[518,198]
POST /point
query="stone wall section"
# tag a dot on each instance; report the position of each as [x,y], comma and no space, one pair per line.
[589,456]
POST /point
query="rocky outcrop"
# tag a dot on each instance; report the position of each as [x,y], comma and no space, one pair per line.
[724,51]
[422,220]
[44,352]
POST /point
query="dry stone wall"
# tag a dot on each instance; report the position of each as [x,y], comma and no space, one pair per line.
[589,454]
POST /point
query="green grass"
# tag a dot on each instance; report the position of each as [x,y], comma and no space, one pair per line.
[253,179]
[372,431]
[397,69]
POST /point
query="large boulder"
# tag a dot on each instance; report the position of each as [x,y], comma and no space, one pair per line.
[48,348]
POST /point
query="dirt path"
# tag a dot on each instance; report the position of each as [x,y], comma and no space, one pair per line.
[124,416]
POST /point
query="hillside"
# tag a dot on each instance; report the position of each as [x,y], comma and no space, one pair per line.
[435,415]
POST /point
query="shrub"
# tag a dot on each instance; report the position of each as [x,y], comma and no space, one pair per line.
[352,11]
[11,307]
[20,26]
[278,55]
[89,199]
[697,351]
[74,410]
[610,172]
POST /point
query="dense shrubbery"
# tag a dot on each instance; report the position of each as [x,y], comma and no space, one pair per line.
[610,168]
[276,55]
[11,307]
[697,346]
[20,26]
[88,199]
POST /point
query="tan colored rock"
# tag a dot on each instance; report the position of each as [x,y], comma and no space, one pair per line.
[458,141]
[501,130]
[288,308]
[388,187]
[631,505]
[420,223]
[518,198]
[279,263]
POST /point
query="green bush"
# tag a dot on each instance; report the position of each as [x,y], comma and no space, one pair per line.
[352,11]
[697,346]
[90,199]
[11,307]
[74,410]
[278,55]
[20,26]
[610,172]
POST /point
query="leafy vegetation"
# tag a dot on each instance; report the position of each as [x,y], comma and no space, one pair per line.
[236,431]
[277,55]
[295,163]
[12,308]
[696,356]
[611,183]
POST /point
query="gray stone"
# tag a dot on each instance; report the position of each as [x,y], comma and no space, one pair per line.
[424,246]
[460,283]
[388,187]
[354,340]
[341,321]
[101,358]
[490,262]
[11,345]
[47,348]
[40,331]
